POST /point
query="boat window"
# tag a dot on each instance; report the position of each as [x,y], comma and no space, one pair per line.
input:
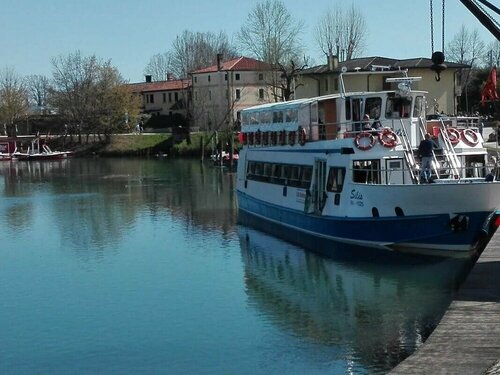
[373,108]
[251,168]
[277,116]
[305,180]
[292,115]
[285,172]
[335,181]
[259,169]
[348,109]
[419,107]
[398,107]
[268,169]
[366,171]
[266,117]
[276,173]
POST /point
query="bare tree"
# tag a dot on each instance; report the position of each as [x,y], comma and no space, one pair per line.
[492,56]
[13,100]
[38,87]
[89,93]
[159,66]
[466,47]
[192,51]
[272,35]
[342,32]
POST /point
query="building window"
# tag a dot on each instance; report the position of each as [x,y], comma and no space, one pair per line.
[225,77]
[195,79]
[147,98]
[151,98]
[238,94]
[196,95]
[170,97]
[209,95]
[336,84]
[227,94]
[176,96]
[237,76]
[326,85]
[261,93]
[164,97]
[261,76]
[209,78]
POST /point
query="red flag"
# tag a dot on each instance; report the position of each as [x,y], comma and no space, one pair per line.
[490,88]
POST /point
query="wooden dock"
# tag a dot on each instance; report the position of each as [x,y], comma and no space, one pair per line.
[467,340]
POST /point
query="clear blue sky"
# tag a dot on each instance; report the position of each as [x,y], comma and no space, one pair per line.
[129,32]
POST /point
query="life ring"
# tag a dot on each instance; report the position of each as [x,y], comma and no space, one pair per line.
[250,139]
[469,137]
[302,136]
[258,136]
[388,138]
[244,138]
[364,146]
[453,135]
[291,138]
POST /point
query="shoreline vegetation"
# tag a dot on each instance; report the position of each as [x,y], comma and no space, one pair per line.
[141,145]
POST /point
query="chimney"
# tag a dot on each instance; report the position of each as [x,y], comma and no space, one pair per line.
[148,78]
[170,76]
[219,61]
[333,62]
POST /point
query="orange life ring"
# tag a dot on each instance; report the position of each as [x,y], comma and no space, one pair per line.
[291,138]
[388,138]
[453,135]
[363,135]
[250,139]
[302,136]
[469,137]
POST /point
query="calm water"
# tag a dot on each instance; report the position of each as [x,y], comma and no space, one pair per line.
[136,266]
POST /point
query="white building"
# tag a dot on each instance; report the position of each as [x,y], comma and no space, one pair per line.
[221,91]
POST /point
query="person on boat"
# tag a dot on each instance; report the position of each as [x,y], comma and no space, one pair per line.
[425,155]
[490,177]
[366,122]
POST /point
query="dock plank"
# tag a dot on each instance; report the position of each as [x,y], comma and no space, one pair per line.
[467,340]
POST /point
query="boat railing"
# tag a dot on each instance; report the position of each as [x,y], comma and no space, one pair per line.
[389,176]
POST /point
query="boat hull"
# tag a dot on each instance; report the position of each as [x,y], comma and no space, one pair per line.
[431,234]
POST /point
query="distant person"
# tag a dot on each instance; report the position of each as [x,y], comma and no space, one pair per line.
[425,155]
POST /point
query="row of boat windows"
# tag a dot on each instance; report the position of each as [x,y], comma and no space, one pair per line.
[293,175]
[270,117]
[355,109]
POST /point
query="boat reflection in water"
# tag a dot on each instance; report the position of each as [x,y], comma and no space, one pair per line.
[368,315]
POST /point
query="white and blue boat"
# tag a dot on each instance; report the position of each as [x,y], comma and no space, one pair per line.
[344,168]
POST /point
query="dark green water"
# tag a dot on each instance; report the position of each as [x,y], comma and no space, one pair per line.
[137,266]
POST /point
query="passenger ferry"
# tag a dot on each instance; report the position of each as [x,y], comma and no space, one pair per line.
[320,169]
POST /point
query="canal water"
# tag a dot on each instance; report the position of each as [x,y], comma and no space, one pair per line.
[139,266]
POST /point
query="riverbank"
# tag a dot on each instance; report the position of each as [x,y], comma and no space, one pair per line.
[133,144]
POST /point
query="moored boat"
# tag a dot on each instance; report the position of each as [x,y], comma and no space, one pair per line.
[345,168]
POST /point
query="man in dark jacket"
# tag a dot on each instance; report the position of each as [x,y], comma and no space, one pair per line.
[425,155]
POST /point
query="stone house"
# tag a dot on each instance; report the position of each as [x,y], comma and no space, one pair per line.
[324,79]
[219,92]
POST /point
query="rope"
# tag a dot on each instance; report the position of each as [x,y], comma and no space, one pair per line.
[432,29]
[442,42]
